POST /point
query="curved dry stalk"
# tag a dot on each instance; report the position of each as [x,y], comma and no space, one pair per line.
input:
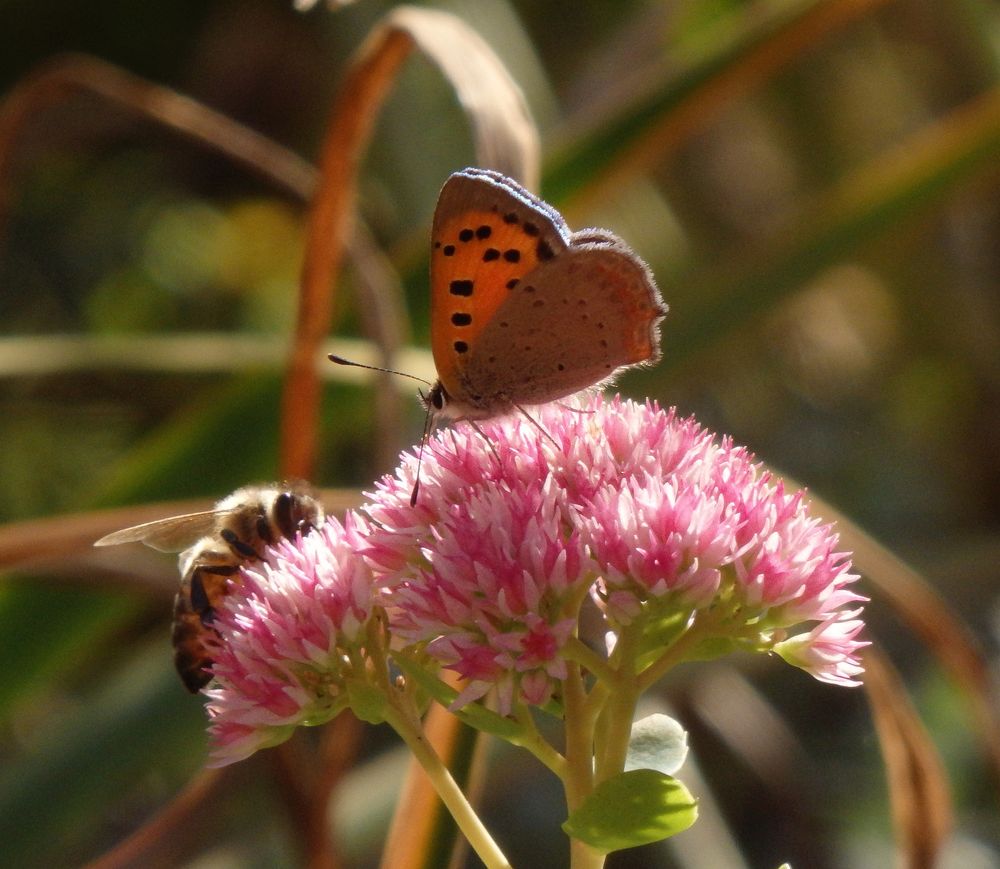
[505,139]
[918,786]
[66,75]
[167,826]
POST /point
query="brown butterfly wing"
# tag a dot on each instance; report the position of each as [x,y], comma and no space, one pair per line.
[571,323]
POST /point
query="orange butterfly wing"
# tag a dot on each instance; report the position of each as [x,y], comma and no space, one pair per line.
[488,234]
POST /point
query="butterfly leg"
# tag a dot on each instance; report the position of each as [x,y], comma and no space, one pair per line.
[538,426]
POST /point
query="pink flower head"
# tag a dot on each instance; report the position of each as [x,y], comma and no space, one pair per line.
[513,528]
[643,508]
[286,632]
[702,528]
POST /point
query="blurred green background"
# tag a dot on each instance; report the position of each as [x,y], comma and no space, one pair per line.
[827,237]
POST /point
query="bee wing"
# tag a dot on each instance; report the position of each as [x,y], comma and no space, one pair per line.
[167,535]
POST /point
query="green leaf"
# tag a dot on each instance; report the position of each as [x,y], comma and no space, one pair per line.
[731,45]
[894,188]
[192,453]
[633,808]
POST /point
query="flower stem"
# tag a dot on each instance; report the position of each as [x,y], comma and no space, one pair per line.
[576,650]
[580,718]
[448,790]
[533,741]
[611,745]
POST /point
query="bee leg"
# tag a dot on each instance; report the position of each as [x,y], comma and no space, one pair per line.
[208,587]
[199,599]
[244,550]
[192,657]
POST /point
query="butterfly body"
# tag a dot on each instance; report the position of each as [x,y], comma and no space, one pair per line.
[523,311]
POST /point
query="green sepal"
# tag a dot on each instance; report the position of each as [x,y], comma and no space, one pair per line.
[366,701]
[659,631]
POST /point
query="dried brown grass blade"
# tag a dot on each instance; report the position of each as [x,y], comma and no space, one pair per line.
[58,539]
[505,139]
[918,786]
[932,619]
[62,537]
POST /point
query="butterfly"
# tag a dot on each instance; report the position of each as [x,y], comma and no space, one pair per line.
[524,311]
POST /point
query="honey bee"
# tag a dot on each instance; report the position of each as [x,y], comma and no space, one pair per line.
[219,542]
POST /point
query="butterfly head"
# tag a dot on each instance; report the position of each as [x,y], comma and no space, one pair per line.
[442,405]
[436,401]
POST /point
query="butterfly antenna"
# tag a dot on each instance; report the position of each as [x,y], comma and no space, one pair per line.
[420,455]
[340,360]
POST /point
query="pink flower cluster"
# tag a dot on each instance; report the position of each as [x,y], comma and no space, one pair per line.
[494,590]
[487,572]
[287,633]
